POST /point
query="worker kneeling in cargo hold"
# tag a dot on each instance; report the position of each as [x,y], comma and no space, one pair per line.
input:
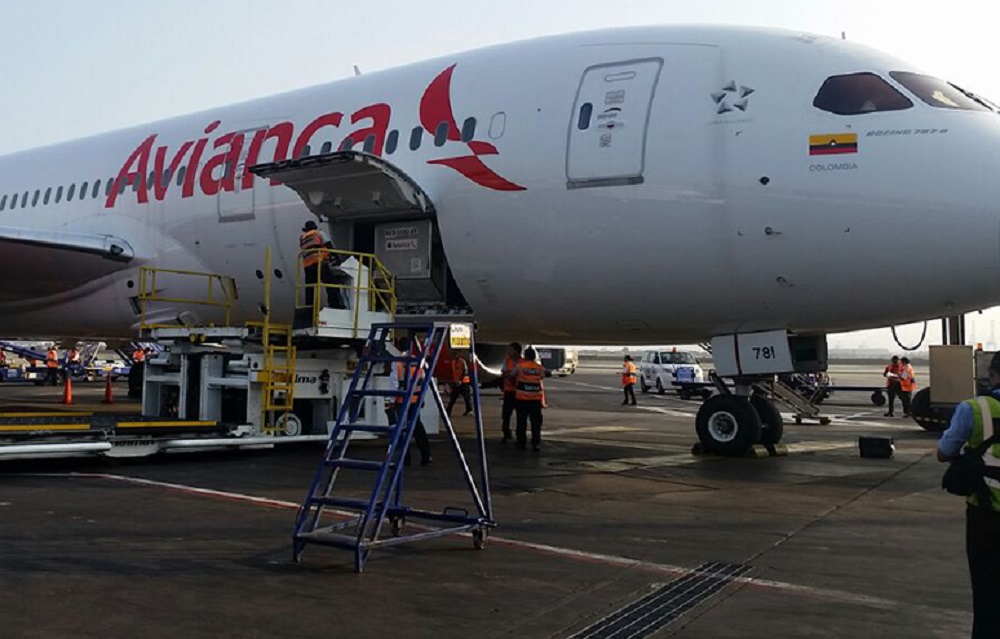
[316,264]
[972,424]
[530,397]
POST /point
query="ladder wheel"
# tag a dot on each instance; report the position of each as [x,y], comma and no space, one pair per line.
[397,525]
[479,538]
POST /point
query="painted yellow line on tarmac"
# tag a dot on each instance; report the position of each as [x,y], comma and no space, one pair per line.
[46,415]
[173,424]
[38,427]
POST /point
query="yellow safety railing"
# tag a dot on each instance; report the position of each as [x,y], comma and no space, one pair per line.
[374,289]
[220,291]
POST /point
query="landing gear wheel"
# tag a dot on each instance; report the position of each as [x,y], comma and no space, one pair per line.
[397,525]
[931,418]
[480,536]
[659,386]
[727,425]
[772,426]
[642,384]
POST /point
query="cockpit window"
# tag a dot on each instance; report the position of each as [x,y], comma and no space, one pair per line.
[859,93]
[938,93]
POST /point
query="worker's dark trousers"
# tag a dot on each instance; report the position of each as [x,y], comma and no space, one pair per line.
[334,296]
[419,435]
[905,396]
[982,545]
[529,410]
[509,403]
[52,376]
[463,390]
[892,390]
[629,393]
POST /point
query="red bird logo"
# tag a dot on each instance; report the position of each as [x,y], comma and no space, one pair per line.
[435,108]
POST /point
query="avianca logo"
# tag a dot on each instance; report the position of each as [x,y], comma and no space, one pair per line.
[280,141]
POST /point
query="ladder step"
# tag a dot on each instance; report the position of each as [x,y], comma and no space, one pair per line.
[388,359]
[355,464]
[340,502]
[368,428]
[324,538]
[380,392]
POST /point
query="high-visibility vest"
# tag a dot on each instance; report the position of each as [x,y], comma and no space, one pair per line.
[310,244]
[628,374]
[529,381]
[892,368]
[139,356]
[52,358]
[401,376]
[73,356]
[907,382]
[461,371]
[981,430]
[509,384]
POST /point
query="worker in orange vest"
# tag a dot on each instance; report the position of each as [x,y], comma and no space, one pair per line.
[316,267]
[138,355]
[52,366]
[399,377]
[891,375]
[628,380]
[907,384]
[461,384]
[509,387]
[530,395]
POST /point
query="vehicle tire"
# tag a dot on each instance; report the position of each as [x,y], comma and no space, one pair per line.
[705,394]
[878,398]
[772,426]
[727,425]
[642,384]
[931,418]
[684,393]
[659,387]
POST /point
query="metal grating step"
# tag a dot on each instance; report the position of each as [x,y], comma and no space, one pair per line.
[656,610]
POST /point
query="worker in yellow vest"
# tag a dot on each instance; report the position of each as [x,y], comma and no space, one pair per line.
[509,387]
[399,377]
[629,377]
[530,395]
[461,384]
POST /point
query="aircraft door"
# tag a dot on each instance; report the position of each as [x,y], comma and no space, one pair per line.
[607,134]
[238,204]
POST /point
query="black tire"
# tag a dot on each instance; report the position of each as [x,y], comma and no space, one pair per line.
[705,394]
[684,393]
[772,426]
[878,398]
[933,419]
[659,387]
[727,425]
[642,384]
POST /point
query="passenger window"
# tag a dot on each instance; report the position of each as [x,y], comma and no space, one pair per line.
[24,199]
[583,121]
[369,146]
[938,93]
[13,202]
[441,134]
[326,148]
[59,195]
[34,200]
[71,192]
[122,185]
[96,190]
[858,94]
[150,180]
[347,144]
[468,129]
[165,179]
[83,190]
[3,203]
[180,175]
[306,151]
[48,194]
[416,135]
[391,142]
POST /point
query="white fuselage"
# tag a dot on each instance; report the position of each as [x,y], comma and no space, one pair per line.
[734,226]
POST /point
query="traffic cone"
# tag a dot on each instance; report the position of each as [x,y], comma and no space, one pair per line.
[68,390]
[109,397]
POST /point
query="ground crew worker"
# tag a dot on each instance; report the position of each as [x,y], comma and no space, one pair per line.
[462,385]
[907,384]
[3,359]
[138,355]
[971,424]
[891,375]
[509,387]
[530,395]
[52,367]
[399,378]
[72,361]
[628,380]
[316,267]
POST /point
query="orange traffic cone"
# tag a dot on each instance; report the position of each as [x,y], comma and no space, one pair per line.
[68,390]
[108,393]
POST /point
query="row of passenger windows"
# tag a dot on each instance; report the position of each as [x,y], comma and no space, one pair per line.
[55,195]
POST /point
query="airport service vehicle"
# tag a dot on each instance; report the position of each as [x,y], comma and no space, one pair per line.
[660,369]
[522,186]
[557,360]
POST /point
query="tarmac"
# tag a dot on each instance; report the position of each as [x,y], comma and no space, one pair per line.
[613,530]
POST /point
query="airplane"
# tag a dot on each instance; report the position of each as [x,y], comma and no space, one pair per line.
[752,187]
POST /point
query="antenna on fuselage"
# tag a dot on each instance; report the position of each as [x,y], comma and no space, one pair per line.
[357,70]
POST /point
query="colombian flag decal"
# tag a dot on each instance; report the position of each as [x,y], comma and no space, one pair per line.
[833,143]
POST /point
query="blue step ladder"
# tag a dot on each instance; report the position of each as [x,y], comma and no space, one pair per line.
[357,524]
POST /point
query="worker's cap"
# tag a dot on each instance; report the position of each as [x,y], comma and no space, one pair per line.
[309,226]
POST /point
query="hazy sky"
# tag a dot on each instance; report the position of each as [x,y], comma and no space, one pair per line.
[71,68]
